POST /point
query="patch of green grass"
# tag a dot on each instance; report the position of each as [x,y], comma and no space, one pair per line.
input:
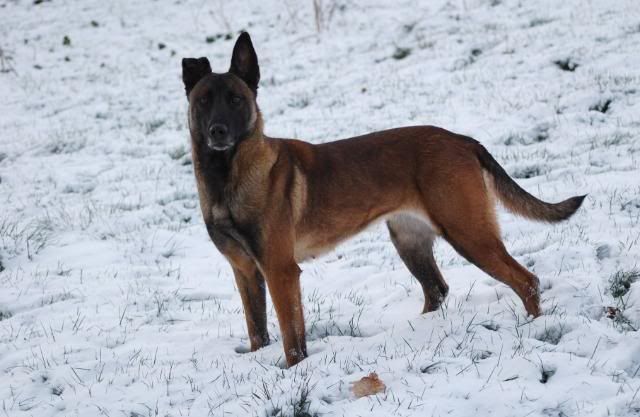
[602,106]
[567,64]
[620,282]
[551,334]
[619,287]
[298,406]
[178,152]
[153,125]
[401,53]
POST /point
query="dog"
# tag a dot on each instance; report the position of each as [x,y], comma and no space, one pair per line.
[269,203]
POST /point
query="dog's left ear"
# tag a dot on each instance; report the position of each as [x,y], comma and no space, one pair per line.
[193,69]
[244,62]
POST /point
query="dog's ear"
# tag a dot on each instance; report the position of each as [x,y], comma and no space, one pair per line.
[193,69]
[244,62]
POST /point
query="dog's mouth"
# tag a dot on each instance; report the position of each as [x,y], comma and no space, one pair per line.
[219,146]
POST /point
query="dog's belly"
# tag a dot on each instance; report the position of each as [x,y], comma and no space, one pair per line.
[306,249]
[323,237]
[317,243]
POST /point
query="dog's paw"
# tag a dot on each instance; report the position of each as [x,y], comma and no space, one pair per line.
[242,349]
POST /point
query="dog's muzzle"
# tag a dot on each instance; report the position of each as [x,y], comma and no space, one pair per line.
[218,138]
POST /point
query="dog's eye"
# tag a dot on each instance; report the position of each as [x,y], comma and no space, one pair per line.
[203,100]
[236,99]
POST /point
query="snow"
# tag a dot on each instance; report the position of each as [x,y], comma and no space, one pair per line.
[113,301]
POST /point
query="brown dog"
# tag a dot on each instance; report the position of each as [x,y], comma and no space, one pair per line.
[271,203]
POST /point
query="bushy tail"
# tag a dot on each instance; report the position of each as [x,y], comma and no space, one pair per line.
[518,201]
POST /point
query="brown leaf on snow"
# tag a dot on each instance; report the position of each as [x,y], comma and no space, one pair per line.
[612,312]
[368,385]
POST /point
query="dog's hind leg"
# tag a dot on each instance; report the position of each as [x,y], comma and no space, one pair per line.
[467,220]
[413,239]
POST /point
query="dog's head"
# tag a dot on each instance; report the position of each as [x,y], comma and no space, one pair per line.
[222,107]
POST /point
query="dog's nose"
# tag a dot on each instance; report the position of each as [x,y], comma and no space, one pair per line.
[218,131]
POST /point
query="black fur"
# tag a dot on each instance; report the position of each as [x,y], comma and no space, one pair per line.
[221,102]
[244,62]
[193,70]
[218,100]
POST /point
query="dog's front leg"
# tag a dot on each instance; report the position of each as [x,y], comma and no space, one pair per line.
[283,280]
[284,288]
[249,280]
[251,286]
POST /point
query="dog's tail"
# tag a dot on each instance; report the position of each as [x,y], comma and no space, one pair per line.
[518,201]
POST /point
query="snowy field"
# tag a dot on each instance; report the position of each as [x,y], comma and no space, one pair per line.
[113,301]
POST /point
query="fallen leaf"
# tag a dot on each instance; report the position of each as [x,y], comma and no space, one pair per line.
[368,385]
[612,312]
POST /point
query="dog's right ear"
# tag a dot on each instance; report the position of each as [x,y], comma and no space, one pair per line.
[193,69]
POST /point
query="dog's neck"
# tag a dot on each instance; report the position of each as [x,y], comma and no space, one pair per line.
[213,170]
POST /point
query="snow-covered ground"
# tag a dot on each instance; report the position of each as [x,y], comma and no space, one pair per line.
[114,302]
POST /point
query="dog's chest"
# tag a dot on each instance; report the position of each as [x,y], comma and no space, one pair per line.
[219,212]
[222,215]
[227,233]
[231,207]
